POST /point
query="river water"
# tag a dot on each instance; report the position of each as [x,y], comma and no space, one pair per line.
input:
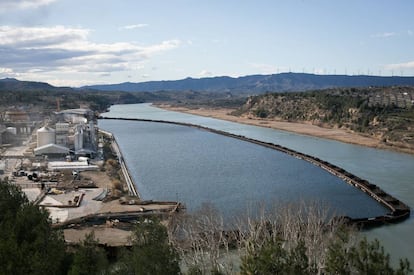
[170,162]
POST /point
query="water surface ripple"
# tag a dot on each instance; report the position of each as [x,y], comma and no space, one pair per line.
[393,172]
[197,166]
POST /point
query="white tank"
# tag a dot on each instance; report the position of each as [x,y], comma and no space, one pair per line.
[12,130]
[83,159]
[45,135]
[79,139]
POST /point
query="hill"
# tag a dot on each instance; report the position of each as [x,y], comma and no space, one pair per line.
[256,84]
[39,96]
[42,97]
[386,114]
[12,84]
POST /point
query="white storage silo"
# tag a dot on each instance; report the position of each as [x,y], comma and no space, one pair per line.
[79,139]
[12,130]
[45,135]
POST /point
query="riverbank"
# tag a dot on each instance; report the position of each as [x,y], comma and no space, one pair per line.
[398,210]
[342,135]
[124,169]
[112,220]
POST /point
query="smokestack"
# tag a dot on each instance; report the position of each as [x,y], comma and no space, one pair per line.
[58,104]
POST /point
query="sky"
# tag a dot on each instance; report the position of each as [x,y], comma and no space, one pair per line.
[85,42]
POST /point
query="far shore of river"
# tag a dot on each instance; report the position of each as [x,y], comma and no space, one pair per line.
[342,135]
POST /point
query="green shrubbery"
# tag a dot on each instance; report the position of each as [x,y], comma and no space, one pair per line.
[371,111]
[296,240]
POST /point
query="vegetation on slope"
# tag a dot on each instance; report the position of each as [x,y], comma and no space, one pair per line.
[289,239]
[47,100]
[257,84]
[295,241]
[384,113]
[43,98]
[29,245]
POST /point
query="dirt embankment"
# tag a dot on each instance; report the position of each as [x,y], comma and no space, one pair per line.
[295,127]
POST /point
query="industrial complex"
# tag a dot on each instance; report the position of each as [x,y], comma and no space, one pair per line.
[65,164]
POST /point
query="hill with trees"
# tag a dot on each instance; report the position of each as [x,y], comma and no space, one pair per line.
[42,97]
[386,113]
[256,84]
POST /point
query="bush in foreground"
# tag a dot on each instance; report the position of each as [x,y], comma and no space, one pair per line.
[296,240]
[289,240]
[28,245]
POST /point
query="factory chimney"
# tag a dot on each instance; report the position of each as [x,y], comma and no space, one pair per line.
[58,104]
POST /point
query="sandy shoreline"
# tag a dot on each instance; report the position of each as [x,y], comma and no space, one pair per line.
[299,128]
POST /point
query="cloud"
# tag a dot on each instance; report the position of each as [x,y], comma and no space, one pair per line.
[59,49]
[5,70]
[6,5]
[399,66]
[392,34]
[60,82]
[25,37]
[205,73]
[132,27]
[384,35]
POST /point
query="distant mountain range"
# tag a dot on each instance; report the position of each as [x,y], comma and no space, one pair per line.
[259,83]
[252,84]
[13,84]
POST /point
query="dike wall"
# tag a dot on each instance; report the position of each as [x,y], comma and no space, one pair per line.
[399,211]
[132,190]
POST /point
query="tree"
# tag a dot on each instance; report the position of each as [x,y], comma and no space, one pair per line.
[364,258]
[273,258]
[299,241]
[151,252]
[201,240]
[28,245]
[89,258]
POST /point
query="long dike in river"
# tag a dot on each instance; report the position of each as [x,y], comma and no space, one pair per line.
[399,211]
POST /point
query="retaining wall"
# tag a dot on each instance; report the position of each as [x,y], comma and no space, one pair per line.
[398,210]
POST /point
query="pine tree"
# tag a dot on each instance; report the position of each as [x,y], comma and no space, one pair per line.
[28,244]
[89,258]
[151,252]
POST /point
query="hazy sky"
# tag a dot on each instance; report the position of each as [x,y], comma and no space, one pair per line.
[79,42]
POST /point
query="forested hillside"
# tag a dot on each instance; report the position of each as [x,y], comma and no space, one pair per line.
[42,97]
[257,84]
[385,113]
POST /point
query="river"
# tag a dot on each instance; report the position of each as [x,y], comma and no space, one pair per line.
[176,162]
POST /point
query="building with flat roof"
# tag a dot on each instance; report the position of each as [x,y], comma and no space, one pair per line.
[52,150]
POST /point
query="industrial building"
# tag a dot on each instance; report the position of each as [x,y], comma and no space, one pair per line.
[74,116]
[17,126]
[69,132]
